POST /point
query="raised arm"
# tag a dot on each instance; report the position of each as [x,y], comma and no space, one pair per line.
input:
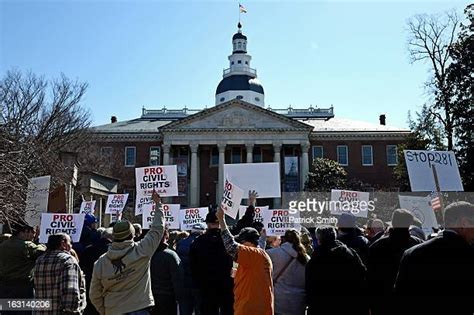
[148,245]
[231,246]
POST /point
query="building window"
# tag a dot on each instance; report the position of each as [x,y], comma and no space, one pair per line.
[236,155]
[239,61]
[342,155]
[239,97]
[367,155]
[257,155]
[222,99]
[246,62]
[106,152]
[235,46]
[232,63]
[130,156]
[239,45]
[317,152]
[245,45]
[214,160]
[392,156]
[155,156]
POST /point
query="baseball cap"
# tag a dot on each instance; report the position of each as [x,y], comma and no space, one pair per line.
[248,234]
[90,219]
[346,220]
[198,228]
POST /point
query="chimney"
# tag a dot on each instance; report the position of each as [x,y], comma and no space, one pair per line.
[113,119]
[382,119]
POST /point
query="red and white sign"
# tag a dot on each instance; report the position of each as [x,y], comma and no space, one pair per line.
[53,223]
[88,207]
[277,221]
[231,199]
[163,179]
[170,211]
[116,203]
[191,216]
[258,212]
[348,201]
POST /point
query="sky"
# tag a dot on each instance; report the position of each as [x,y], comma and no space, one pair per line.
[154,54]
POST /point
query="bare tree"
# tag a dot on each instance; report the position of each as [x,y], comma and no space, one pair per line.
[430,37]
[41,119]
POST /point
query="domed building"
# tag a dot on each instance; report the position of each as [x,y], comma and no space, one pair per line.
[240,81]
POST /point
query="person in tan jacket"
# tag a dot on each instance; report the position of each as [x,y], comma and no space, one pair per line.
[121,277]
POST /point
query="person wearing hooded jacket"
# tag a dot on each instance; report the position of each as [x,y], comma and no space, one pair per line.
[121,277]
[289,261]
[335,278]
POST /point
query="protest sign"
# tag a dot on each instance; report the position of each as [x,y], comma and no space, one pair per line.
[116,203]
[419,166]
[170,211]
[53,223]
[261,177]
[231,199]
[36,199]
[277,221]
[258,212]
[163,179]
[420,207]
[88,207]
[355,202]
[191,216]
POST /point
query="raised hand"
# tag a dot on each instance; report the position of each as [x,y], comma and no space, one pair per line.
[252,201]
[156,198]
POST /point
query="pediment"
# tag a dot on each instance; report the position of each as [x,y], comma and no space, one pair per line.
[236,115]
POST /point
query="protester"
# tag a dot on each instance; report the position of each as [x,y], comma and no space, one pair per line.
[272,242]
[307,240]
[17,260]
[443,265]
[211,268]
[289,261]
[375,230]
[247,219]
[89,257]
[164,278]
[384,260]
[121,278]
[89,234]
[4,237]
[253,287]
[335,278]
[349,234]
[175,238]
[189,299]
[59,279]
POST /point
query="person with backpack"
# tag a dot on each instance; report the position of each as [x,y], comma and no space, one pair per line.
[289,261]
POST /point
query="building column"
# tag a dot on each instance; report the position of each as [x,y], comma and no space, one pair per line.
[220,185]
[194,175]
[249,148]
[304,164]
[166,153]
[277,158]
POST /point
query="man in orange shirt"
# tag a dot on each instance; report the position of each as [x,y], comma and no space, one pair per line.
[253,287]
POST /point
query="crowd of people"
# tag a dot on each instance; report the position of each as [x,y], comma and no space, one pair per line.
[217,269]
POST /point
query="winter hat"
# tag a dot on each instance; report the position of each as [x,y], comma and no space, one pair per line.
[123,230]
[248,234]
[211,217]
[198,228]
[346,220]
[90,219]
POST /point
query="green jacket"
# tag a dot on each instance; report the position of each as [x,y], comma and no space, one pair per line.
[125,286]
[17,260]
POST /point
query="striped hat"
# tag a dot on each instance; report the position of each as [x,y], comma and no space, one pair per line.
[123,230]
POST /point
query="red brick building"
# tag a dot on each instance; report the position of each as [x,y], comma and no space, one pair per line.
[239,129]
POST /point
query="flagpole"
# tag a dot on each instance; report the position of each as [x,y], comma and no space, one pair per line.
[239,12]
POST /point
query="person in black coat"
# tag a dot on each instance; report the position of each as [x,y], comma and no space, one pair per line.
[351,235]
[443,267]
[335,278]
[211,268]
[384,260]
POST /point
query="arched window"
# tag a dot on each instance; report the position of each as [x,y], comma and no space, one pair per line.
[239,97]
[239,45]
[222,99]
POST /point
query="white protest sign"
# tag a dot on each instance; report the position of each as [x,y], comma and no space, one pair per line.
[277,221]
[355,202]
[191,216]
[37,199]
[164,179]
[53,223]
[116,203]
[258,212]
[264,178]
[419,166]
[170,211]
[420,207]
[88,207]
[231,199]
